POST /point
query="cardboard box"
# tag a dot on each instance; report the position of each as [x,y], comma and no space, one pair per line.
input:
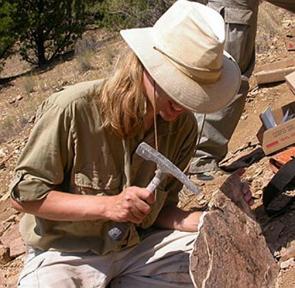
[281,136]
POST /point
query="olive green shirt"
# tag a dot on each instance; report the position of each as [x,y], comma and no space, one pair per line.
[69,150]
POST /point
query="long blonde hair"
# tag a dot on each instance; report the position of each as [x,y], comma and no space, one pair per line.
[122,102]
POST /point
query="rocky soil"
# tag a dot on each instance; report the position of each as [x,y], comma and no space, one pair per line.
[20,96]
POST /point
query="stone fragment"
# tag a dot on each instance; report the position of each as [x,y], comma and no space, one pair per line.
[287,264]
[288,253]
[244,117]
[2,153]
[12,101]
[17,247]
[12,239]
[4,255]
[230,250]
[32,119]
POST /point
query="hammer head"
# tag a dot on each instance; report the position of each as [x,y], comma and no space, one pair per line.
[165,165]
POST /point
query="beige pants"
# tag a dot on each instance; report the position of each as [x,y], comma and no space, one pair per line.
[160,260]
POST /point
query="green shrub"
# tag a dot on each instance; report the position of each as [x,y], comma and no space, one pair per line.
[48,28]
[116,14]
[7,34]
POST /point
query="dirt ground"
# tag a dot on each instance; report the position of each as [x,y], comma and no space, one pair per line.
[20,95]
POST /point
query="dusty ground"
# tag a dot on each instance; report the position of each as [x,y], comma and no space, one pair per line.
[20,96]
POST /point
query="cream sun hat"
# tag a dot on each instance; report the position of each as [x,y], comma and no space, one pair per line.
[183,52]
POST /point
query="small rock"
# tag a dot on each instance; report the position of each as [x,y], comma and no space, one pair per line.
[2,153]
[12,239]
[203,202]
[277,254]
[287,264]
[288,253]
[257,172]
[32,119]
[19,98]
[257,194]
[11,218]
[17,247]
[12,101]
[4,255]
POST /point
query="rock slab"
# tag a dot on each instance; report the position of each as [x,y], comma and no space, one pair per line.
[230,250]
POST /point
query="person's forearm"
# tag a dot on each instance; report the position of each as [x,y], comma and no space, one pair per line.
[131,205]
[60,206]
[172,217]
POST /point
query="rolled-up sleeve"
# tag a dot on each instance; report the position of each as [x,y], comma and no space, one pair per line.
[47,155]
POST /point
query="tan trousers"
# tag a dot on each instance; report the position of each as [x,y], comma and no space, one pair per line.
[160,260]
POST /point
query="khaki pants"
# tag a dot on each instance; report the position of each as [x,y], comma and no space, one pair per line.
[240,18]
[160,260]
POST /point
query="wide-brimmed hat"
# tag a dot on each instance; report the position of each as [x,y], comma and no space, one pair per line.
[183,52]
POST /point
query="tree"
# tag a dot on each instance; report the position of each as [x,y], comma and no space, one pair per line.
[48,28]
[131,13]
[7,35]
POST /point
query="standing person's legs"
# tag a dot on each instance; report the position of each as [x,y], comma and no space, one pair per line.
[217,131]
[241,24]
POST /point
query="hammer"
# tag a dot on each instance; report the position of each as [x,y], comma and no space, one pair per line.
[164,166]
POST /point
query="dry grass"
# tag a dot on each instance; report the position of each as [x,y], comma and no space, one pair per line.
[94,58]
[85,49]
[29,84]
[18,115]
[269,27]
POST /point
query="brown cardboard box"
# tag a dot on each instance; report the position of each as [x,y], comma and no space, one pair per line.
[281,136]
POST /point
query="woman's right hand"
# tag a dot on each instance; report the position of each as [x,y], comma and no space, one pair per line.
[133,204]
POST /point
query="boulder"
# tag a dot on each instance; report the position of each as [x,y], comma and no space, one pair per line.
[230,250]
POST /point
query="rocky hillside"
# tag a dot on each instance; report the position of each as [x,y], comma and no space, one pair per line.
[21,94]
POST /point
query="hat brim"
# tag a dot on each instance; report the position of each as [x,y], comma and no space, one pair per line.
[195,96]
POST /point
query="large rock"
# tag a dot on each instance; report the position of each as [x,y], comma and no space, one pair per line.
[230,250]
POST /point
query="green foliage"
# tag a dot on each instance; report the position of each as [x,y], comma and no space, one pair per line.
[116,14]
[7,37]
[48,28]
